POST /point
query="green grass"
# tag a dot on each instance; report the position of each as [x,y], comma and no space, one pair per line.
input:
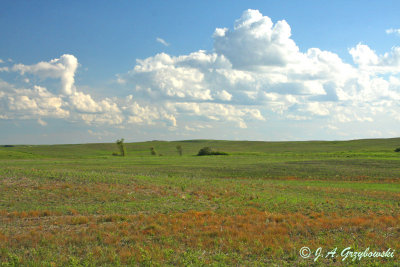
[79,205]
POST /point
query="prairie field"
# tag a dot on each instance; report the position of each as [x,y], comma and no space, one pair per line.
[78,205]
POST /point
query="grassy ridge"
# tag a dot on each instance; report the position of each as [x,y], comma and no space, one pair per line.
[77,205]
[359,159]
[384,146]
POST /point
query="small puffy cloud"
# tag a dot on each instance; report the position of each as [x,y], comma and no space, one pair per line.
[84,103]
[169,118]
[363,55]
[162,41]
[145,114]
[1,61]
[42,122]
[369,61]
[391,31]
[63,68]
[22,102]
[316,108]
[224,95]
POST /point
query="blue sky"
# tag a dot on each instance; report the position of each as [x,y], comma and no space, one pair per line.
[84,71]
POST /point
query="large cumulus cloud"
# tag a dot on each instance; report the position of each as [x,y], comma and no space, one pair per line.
[257,64]
[254,72]
[66,101]
[256,41]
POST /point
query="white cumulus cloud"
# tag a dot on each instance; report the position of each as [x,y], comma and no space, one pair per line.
[31,103]
[63,68]
[256,41]
[254,72]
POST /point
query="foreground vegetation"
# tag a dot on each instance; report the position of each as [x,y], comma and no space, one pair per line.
[78,205]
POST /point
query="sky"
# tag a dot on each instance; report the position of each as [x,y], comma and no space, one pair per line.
[97,71]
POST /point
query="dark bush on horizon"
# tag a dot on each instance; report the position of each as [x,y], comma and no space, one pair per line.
[207,151]
[397,149]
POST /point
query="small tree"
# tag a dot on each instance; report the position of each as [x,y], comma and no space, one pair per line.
[179,149]
[397,149]
[153,151]
[121,147]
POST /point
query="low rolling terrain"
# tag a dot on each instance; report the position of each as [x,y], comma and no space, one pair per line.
[79,205]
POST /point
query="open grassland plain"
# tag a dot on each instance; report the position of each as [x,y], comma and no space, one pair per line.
[77,205]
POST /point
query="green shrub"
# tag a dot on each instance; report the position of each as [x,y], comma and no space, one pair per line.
[153,151]
[397,149]
[207,151]
[204,151]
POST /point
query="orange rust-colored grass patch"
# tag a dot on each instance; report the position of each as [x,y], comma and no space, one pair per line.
[252,232]
[387,220]
[29,214]
[78,220]
[111,238]
[73,211]
[3,238]
[126,253]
